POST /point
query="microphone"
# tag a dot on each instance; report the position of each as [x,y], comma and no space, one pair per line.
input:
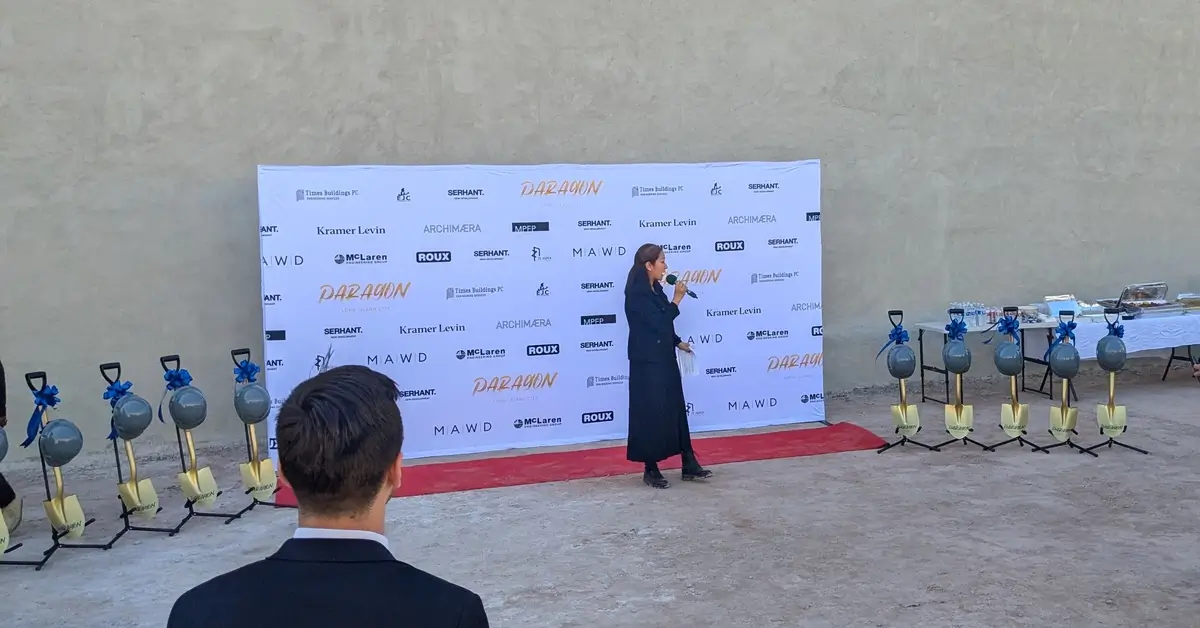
[671,279]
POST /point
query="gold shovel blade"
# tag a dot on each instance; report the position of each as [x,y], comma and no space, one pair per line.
[201,489]
[907,420]
[959,420]
[66,516]
[4,535]
[260,483]
[140,499]
[1062,422]
[1112,420]
[1014,424]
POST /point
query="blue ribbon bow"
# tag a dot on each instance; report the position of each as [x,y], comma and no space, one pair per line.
[1066,329]
[246,372]
[1115,328]
[956,329]
[115,392]
[1007,326]
[176,379]
[46,397]
[897,336]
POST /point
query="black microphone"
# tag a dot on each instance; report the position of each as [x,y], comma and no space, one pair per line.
[671,279]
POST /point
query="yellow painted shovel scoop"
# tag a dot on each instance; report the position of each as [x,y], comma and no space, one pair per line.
[258,476]
[1063,418]
[139,496]
[198,485]
[59,442]
[1110,416]
[905,416]
[1014,416]
[960,418]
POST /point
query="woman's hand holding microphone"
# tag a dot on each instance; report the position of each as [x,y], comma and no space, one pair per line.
[680,292]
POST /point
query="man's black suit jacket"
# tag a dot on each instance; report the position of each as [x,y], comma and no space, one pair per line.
[328,583]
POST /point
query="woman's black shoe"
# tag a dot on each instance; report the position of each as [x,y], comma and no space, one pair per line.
[655,480]
[699,473]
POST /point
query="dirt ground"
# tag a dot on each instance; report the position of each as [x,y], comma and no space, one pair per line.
[959,538]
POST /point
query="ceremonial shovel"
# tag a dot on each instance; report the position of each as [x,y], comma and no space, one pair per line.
[960,418]
[252,403]
[59,442]
[1111,354]
[131,416]
[1064,362]
[188,409]
[901,364]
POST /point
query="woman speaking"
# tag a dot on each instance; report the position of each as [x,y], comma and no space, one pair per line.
[658,425]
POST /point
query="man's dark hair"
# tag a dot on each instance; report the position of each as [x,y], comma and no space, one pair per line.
[337,434]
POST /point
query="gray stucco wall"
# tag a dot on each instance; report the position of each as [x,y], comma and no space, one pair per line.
[971,150]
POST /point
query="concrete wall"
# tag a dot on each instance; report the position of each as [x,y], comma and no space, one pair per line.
[972,150]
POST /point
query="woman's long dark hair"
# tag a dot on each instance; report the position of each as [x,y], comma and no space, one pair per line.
[638,279]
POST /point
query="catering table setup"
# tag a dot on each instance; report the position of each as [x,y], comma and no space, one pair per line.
[1150,321]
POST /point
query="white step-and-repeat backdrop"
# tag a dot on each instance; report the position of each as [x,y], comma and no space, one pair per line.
[493,294]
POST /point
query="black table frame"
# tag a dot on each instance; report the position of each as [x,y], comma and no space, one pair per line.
[1047,376]
[1170,361]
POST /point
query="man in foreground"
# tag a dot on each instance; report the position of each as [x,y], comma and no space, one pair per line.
[339,436]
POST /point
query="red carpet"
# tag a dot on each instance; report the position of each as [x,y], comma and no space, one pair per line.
[448,477]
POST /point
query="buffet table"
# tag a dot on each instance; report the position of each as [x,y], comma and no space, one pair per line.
[1150,333]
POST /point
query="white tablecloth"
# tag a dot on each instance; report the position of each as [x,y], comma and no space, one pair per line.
[1141,334]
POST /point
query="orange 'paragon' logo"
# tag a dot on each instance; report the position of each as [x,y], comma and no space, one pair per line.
[368,292]
[700,277]
[561,188]
[531,381]
[793,361]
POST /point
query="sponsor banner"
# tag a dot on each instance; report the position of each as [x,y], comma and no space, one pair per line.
[494,296]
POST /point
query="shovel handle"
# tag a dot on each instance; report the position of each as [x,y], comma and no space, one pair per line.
[110,366]
[239,352]
[1066,315]
[896,314]
[1009,309]
[38,375]
[166,360]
